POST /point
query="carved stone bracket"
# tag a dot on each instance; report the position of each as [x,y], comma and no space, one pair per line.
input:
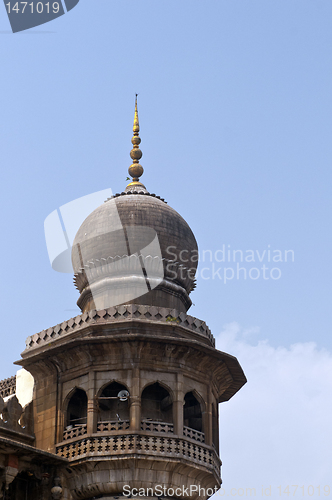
[56,491]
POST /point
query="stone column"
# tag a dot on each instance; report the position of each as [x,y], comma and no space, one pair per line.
[215,424]
[207,419]
[92,405]
[178,406]
[135,402]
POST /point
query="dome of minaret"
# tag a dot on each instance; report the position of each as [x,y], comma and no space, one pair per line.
[135,248]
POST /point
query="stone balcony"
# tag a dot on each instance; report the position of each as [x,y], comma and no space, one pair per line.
[114,440]
[128,444]
[103,463]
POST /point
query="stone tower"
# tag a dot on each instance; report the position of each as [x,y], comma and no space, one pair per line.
[128,391]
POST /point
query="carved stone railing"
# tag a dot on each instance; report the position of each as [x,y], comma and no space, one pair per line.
[15,419]
[73,432]
[8,386]
[117,314]
[154,426]
[193,434]
[113,426]
[162,447]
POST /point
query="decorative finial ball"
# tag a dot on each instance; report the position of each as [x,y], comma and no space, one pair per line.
[136,140]
[56,491]
[135,170]
[136,154]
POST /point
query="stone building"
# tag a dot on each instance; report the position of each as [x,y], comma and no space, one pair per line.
[125,395]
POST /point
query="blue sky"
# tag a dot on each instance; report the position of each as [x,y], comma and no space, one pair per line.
[236,116]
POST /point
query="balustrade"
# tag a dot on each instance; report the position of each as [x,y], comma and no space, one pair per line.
[113,426]
[155,426]
[130,444]
[74,431]
[193,434]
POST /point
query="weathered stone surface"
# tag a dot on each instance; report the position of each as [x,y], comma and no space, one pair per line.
[119,238]
[129,312]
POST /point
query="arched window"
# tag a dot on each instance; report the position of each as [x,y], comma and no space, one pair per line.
[192,412]
[157,404]
[110,406]
[77,408]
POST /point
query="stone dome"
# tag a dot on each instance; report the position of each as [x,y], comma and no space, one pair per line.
[134,248]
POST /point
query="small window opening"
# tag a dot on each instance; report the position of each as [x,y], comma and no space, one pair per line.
[77,409]
[192,413]
[157,404]
[110,406]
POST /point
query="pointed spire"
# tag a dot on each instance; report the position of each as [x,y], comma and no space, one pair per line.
[136,170]
[136,122]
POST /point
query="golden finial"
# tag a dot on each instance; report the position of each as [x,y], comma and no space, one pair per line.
[136,170]
[136,122]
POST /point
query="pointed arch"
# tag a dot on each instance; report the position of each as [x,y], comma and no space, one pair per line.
[162,384]
[109,405]
[192,411]
[76,408]
[157,403]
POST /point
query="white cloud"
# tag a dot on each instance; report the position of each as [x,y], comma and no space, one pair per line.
[277,429]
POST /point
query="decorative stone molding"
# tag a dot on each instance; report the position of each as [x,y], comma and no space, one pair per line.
[121,314]
[114,447]
[134,191]
[131,265]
